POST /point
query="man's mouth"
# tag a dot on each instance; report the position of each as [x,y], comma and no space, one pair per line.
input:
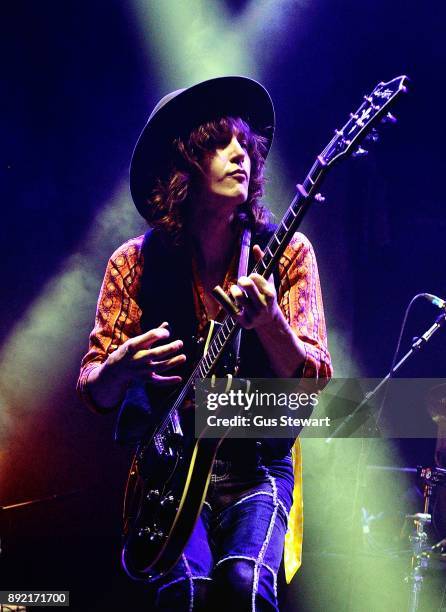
[238,174]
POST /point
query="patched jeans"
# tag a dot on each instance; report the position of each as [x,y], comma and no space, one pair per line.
[234,553]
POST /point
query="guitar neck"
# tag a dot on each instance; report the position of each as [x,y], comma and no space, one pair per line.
[290,221]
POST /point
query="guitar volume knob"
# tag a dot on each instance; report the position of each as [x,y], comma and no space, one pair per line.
[152,494]
[169,499]
[143,531]
[156,535]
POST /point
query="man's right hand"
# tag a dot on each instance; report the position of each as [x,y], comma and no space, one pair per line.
[138,359]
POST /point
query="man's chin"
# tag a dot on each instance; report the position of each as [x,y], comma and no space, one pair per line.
[233,200]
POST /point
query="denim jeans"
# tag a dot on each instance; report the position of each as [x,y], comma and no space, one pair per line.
[233,555]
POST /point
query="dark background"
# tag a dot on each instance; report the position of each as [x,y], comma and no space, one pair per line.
[77,88]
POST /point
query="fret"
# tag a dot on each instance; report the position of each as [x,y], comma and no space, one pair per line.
[268,251]
[296,213]
[276,238]
[280,232]
[289,218]
[209,355]
[218,341]
[256,269]
[221,348]
[206,369]
[223,336]
[212,348]
[262,263]
[203,366]
[289,222]
[308,185]
[226,328]
[283,225]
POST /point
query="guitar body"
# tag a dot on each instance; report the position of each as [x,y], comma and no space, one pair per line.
[166,488]
[164,496]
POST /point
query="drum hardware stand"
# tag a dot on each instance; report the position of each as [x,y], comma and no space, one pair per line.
[421,552]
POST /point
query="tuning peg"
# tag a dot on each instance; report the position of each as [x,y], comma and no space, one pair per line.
[373,135]
[389,118]
[360,152]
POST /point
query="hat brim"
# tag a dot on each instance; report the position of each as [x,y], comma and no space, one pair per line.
[234,96]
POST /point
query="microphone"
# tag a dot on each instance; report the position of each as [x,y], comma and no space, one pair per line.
[436,301]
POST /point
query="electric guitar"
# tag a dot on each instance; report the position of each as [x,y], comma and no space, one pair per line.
[170,471]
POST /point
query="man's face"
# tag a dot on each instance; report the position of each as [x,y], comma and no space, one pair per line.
[227,171]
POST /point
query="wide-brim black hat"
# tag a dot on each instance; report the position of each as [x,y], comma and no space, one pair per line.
[178,113]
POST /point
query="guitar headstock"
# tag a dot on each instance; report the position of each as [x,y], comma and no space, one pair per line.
[375,108]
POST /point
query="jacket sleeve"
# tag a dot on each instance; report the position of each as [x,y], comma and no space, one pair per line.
[117,314]
[301,302]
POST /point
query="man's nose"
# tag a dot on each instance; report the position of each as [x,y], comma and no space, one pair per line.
[237,152]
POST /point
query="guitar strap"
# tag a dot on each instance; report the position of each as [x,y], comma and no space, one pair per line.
[242,271]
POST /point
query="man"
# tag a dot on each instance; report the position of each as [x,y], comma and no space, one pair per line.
[197,177]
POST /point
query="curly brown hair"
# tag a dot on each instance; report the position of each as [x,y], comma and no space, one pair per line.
[167,204]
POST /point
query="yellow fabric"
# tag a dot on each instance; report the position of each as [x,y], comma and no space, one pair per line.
[293,540]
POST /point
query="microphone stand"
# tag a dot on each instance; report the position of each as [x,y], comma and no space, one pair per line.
[416,346]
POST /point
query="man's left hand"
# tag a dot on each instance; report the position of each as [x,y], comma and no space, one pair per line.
[256,298]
